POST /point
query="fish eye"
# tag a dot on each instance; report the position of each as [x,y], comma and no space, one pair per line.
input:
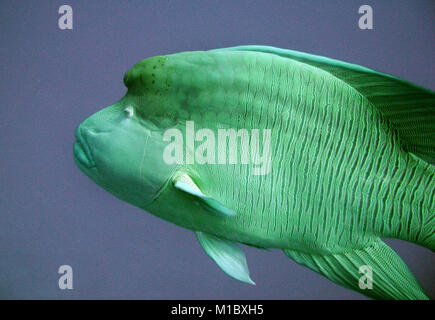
[129,111]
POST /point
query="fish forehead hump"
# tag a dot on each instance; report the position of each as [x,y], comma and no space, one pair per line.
[203,83]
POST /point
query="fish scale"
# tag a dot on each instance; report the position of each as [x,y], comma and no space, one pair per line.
[270,194]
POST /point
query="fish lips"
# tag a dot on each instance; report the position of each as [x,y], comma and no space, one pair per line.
[82,152]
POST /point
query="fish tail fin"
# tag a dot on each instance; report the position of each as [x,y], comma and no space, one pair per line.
[375,271]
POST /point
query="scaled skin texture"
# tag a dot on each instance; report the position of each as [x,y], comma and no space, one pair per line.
[351,160]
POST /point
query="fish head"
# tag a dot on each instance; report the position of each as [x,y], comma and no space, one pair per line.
[122,152]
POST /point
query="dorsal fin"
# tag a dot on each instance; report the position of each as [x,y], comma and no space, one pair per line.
[408,107]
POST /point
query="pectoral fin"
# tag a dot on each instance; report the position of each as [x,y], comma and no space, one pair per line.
[389,276]
[185,184]
[228,256]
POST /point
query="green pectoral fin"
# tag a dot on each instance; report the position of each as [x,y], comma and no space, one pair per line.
[408,107]
[228,256]
[185,184]
[375,271]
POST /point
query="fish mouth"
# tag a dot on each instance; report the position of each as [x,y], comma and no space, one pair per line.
[82,152]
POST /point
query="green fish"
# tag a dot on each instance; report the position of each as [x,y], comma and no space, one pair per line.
[275,148]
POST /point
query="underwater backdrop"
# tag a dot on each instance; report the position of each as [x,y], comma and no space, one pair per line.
[52,215]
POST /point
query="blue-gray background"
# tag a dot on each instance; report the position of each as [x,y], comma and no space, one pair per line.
[51,214]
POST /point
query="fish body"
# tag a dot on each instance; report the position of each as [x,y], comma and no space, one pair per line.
[349,159]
